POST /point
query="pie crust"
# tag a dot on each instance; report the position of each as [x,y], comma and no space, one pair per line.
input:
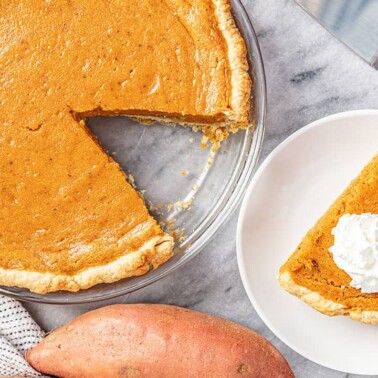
[323,305]
[152,254]
[237,52]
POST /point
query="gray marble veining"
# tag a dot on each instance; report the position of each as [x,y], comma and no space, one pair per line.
[309,75]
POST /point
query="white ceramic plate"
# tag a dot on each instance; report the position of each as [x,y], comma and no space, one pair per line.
[290,191]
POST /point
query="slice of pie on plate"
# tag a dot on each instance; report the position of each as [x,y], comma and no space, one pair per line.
[68,217]
[311,272]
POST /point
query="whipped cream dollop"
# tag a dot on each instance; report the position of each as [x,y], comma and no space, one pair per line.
[355,249]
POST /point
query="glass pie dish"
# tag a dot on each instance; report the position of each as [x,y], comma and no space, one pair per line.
[191,190]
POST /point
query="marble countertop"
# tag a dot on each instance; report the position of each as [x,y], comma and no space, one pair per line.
[309,75]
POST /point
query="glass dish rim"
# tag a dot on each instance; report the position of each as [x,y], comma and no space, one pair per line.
[249,155]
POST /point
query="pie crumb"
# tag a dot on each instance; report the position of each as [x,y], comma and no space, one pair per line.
[178,234]
[183,204]
[131,180]
[171,223]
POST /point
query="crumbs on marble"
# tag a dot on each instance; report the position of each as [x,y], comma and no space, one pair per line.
[184,173]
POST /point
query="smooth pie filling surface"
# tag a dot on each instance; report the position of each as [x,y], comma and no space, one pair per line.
[68,217]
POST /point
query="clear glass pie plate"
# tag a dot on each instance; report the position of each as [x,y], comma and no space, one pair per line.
[191,190]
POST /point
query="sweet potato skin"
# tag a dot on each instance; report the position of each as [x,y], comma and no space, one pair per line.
[145,340]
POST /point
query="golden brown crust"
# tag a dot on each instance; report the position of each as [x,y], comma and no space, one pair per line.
[237,55]
[153,253]
[323,305]
[368,317]
[310,297]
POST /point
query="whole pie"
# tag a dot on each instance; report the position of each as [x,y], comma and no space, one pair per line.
[68,217]
[311,272]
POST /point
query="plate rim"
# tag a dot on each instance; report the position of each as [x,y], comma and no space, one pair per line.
[243,213]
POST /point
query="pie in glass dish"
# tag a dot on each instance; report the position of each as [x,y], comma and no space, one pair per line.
[68,217]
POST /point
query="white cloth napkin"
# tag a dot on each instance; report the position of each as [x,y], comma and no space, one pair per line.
[18,333]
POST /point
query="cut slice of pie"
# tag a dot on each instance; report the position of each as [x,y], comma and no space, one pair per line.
[311,273]
[68,217]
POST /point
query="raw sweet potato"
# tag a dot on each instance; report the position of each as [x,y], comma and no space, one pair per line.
[147,340]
